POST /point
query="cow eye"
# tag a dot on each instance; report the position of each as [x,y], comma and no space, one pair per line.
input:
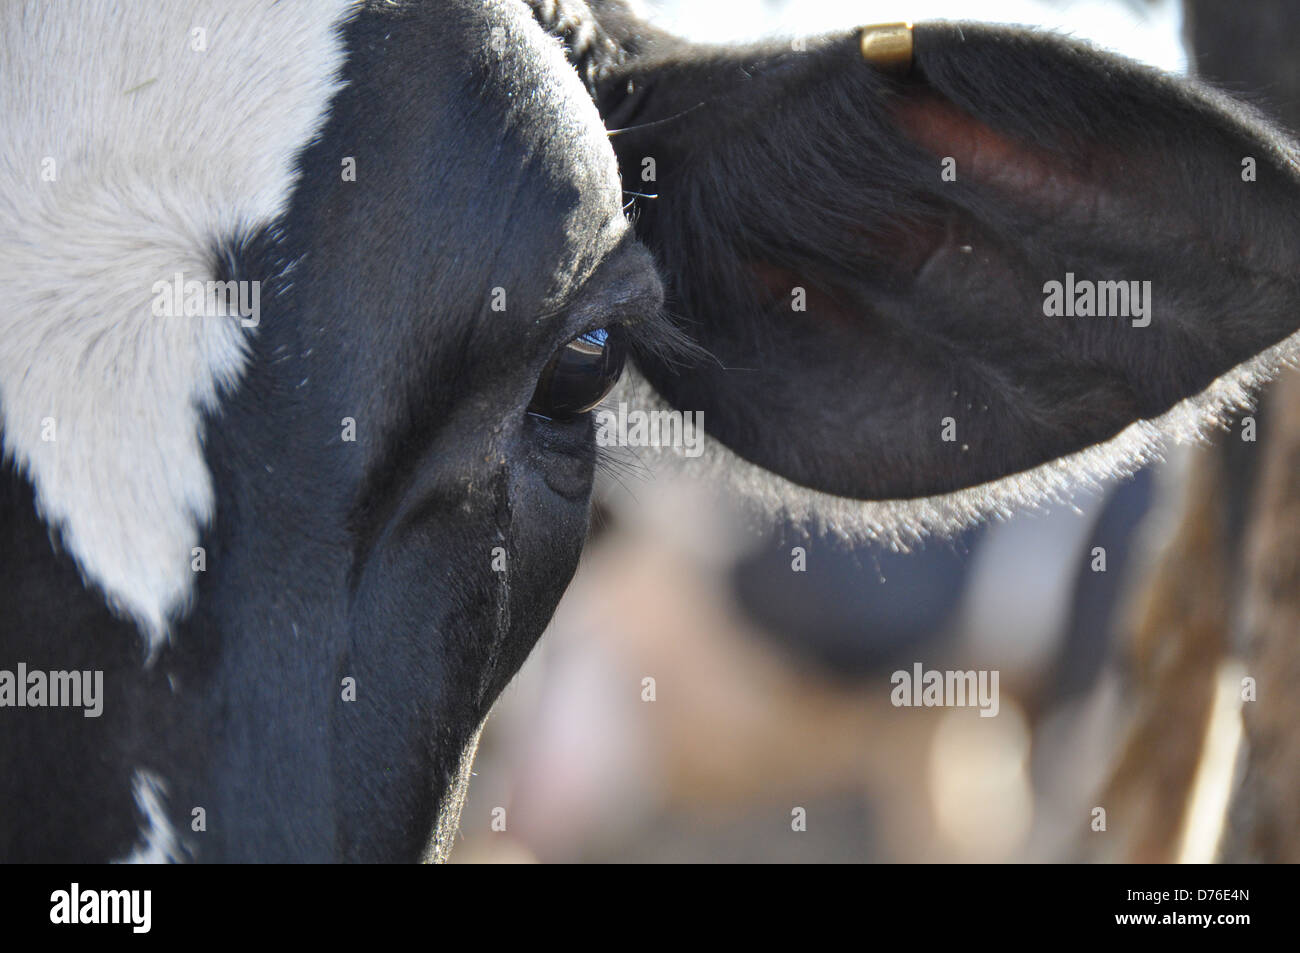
[580,374]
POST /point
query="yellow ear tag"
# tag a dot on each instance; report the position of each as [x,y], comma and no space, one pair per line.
[888,46]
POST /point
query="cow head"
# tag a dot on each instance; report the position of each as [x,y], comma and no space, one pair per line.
[338,530]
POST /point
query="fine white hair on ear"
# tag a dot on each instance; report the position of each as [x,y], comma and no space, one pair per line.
[159,842]
[138,138]
[902,524]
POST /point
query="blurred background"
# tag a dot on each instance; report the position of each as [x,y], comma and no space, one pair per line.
[695,698]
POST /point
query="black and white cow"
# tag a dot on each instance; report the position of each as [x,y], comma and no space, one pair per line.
[446,207]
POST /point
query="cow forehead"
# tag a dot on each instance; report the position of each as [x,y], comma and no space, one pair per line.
[548,107]
[489,197]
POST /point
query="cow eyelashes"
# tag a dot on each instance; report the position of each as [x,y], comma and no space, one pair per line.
[580,374]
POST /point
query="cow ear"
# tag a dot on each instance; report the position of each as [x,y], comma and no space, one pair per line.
[907,270]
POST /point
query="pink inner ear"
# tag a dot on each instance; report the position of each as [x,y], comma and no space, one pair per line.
[989,157]
[821,304]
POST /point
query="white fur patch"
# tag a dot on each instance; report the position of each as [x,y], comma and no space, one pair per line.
[901,524]
[129,152]
[159,842]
